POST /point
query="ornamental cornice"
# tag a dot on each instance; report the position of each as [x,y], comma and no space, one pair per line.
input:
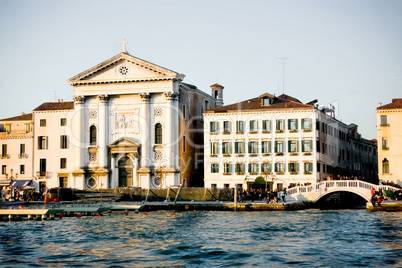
[119,81]
[15,137]
[389,111]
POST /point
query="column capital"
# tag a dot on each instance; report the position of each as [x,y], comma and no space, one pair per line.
[170,95]
[78,99]
[145,97]
[103,98]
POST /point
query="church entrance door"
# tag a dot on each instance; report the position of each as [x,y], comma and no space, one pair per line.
[125,172]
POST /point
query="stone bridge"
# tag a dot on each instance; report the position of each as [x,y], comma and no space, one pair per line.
[316,191]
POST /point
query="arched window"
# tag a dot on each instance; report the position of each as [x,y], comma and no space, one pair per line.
[385,166]
[92,135]
[158,133]
[216,94]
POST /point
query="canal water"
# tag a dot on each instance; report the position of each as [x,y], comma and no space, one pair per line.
[309,238]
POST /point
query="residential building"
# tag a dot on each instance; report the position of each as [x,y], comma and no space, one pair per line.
[389,136]
[278,138]
[16,145]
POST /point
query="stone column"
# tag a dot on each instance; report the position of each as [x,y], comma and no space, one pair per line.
[114,172]
[79,131]
[171,130]
[146,131]
[103,130]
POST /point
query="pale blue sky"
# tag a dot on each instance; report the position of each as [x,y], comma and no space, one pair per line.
[344,52]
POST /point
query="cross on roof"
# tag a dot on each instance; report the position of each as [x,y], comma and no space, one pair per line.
[124,45]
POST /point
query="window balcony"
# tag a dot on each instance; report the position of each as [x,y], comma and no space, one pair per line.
[23,155]
[227,173]
[4,156]
[41,174]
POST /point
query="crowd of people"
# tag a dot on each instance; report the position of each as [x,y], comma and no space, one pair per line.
[20,194]
[262,195]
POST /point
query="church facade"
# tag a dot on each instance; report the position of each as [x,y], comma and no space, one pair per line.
[131,124]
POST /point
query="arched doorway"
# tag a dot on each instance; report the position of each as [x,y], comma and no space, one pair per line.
[125,172]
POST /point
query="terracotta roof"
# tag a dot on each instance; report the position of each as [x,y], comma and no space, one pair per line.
[255,104]
[24,117]
[395,104]
[216,85]
[287,97]
[47,106]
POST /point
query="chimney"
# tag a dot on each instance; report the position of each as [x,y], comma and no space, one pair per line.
[23,113]
[379,104]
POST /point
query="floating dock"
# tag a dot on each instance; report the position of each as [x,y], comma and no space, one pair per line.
[385,206]
[29,214]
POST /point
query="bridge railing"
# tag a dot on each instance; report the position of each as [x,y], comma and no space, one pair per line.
[339,184]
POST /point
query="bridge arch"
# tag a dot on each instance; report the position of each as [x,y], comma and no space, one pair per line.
[332,191]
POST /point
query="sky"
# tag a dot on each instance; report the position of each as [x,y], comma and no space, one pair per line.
[345,53]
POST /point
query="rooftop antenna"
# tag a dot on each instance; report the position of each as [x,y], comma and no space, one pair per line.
[55,95]
[283,72]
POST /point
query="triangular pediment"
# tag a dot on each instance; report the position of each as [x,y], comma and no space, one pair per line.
[124,142]
[124,68]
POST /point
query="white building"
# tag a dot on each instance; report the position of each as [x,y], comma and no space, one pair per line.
[278,138]
[132,124]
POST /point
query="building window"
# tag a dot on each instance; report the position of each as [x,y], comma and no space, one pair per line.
[214,148]
[239,168]
[266,168]
[3,150]
[252,147]
[42,142]
[292,146]
[22,149]
[253,126]
[92,135]
[239,147]
[227,168]
[214,168]
[184,111]
[22,169]
[63,163]
[253,168]
[279,146]
[239,127]
[385,166]
[226,127]
[307,146]
[63,122]
[158,133]
[279,125]
[308,168]
[63,142]
[266,125]
[213,126]
[63,182]
[279,168]
[267,101]
[293,124]
[213,186]
[307,124]
[385,143]
[266,147]
[4,169]
[293,168]
[384,122]
[226,148]
[27,128]
[8,128]
[184,143]
[42,122]
[42,167]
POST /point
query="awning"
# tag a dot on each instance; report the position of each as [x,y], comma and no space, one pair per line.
[4,183]
[21,183]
